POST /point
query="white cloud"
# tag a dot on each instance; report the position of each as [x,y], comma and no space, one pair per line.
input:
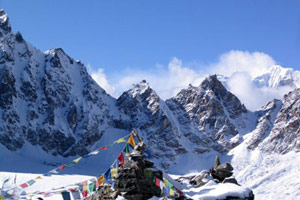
[166,81]
[255,63]
[253,97]
[101,79]
[240,66]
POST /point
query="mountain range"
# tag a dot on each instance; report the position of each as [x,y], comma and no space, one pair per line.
[48,100]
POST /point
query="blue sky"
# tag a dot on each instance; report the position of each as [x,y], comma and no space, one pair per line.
[139,34]
[145,38]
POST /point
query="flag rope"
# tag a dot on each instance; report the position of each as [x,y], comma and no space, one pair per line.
[67,165]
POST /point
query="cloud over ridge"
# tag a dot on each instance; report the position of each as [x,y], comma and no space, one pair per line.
[240,68]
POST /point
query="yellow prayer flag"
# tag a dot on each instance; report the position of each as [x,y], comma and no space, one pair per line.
[113,172]
[171,192]
[101,180]
[77,160]
[120,140]
[165,182]
[131,140]
[38,177]
[1,197]
[85,187]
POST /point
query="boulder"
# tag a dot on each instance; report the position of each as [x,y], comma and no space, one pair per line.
[222,171]
[230,180]
[201,179]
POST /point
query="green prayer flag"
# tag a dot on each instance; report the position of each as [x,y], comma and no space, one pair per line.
[70,164]
[126,149]
[92,187]
[30,182]
[169,184]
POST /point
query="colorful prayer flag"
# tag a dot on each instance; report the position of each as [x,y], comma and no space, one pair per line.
[70,164]
[101,180]
[103,148]
[114,172]
[126,149]
[54,171]
[171,192]
[31,182]
[24,185]
[92,187]
[66,195]
[131,140]
[77,160]
[121,158]
[84,194]
[85,187]
[96,184]
[169,184]
[107,175]
[157,182]
[165,182]
[62,167]
[179,192]
[47,174]
[120,140]
[76,195]
[38,177]
[94,152]
[162,185]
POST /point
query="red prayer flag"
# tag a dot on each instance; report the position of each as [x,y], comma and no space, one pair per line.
[24,185]
[121,158]
[84,194]
[179,191]
[157,182]
[103,148]
[62,167]
[72,190]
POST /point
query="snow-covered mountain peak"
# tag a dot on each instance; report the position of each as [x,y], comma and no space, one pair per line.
[141,88]
[4,23]
[279,76]
[140,95]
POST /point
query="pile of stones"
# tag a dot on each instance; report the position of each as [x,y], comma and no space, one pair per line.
[133,180]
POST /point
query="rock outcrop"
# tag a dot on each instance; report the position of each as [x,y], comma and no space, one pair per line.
[48,99]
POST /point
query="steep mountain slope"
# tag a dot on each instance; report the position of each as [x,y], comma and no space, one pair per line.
[213,113]
[48,99]
[199,120]
[285,134]
[267,160]
[148,113]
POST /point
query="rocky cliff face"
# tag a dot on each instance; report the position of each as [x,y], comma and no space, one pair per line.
[212,112]
[266,117]
[48,99]
[157,124]
[285,134]
[200,119]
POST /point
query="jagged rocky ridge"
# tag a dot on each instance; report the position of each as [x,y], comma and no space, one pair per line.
[49,100]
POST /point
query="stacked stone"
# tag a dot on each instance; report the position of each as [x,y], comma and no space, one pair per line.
[135,178]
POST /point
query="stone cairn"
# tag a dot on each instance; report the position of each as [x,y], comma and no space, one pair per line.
[133,181]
